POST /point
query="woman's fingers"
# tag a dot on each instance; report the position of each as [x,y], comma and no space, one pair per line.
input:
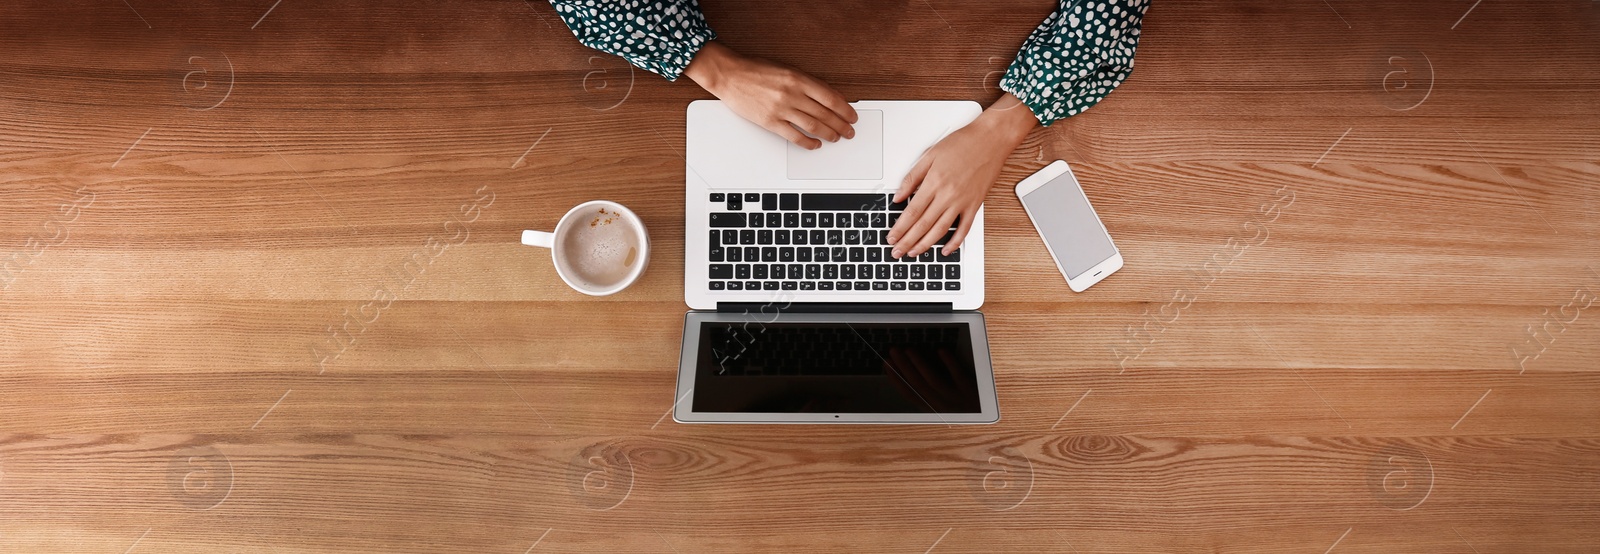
[935,231]
[827,117]
[961,230]
[830,99]
[908,185]
[811,126]
[906,225]
[783,129]
[924,224]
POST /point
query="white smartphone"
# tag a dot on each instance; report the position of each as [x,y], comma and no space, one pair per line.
[1072,232]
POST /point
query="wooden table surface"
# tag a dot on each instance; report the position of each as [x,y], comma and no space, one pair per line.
[261,288]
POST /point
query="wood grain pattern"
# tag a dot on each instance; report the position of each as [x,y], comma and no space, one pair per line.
[1399,365]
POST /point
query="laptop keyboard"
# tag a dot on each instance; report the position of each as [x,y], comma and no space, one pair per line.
[819,241]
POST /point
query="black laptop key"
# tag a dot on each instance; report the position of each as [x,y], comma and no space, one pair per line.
[888,252]
[786,254]
[774,220]
[874,255]
[764,236]
[794,270]
[863,271]
[791,220]
[769,254]
[952,271]
[860,285]
[862,221]
[893,218]
[716,238]
[951,257]
[724,219]
[741,271]
[899,206]
[919,272]
[869,238]
[880,285]
[825,219]
[798,236]
[789,201]
[734,254]
[858,254]
[769,201]
[720,271]
[735,204]
[769,285]
[808,285]
[881,271]
[717,253]
[925,256]
[841,220]
[916,285]
[825,285]
[752,197]
[899,272]
[752,253]
[776,272]
[838,254]
[780,236]
[830,271]
[879,221]
[729,237]
[852,237]
[935,272]
[802,254]
[819,201]
[747,236]
[819,236]
[935,285]
[759,271]
[789,285]
[716,285]
[835,237]
[847,271]
[952,285]
[808,220]
[813,271]
[735,285]
[819,253]
[716,197]
[757,221]
[897,285]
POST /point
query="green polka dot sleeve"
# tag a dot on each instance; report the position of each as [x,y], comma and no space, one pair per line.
[660,36]
[1075,57]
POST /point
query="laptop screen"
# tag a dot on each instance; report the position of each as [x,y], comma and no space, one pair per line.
[835,368]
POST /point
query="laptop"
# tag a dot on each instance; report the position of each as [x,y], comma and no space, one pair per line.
[798,312]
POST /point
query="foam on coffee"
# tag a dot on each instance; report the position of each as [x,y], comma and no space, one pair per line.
[602,248]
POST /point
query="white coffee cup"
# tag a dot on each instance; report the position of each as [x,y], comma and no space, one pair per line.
[599,247]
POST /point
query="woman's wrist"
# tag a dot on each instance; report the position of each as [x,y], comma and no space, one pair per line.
[710,64]
[1010,119]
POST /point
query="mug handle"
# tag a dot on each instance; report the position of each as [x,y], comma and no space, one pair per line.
[539,238]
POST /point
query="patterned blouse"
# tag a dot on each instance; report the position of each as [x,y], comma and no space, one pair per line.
[1072,60]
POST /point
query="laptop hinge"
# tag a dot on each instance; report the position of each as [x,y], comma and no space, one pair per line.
[834,307]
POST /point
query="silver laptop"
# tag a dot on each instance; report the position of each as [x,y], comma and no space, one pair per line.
[799,312]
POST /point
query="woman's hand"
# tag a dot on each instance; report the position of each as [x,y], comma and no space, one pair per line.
[952,178]
[775,97]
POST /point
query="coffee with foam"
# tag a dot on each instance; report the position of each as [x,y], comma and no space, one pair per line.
[601,248]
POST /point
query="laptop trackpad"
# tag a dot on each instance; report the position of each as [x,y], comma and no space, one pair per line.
[860,158]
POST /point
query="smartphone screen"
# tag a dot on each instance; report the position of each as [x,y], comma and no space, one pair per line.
[1069,225]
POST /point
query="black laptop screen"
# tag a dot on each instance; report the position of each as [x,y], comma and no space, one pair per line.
[835,368]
